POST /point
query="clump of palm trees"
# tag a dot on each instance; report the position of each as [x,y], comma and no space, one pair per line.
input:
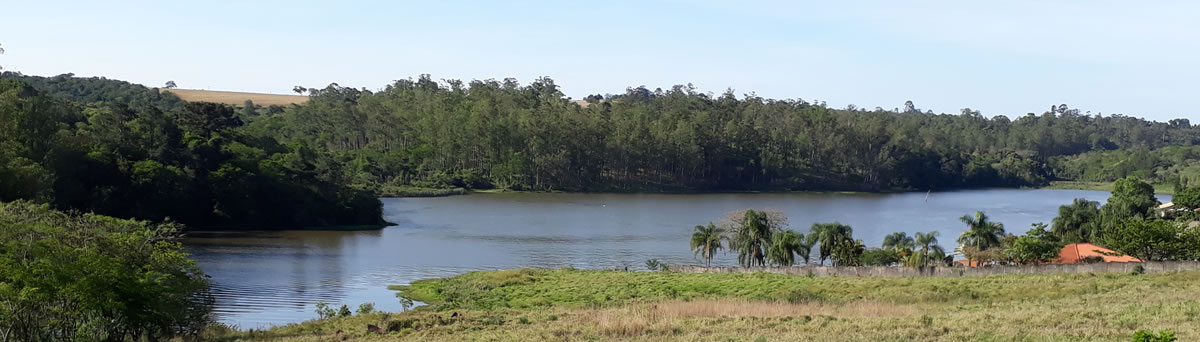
[920,251]
[982,240]
[761,238]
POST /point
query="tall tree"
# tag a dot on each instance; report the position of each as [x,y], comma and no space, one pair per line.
[751,237]
[1131,198]
[784,247]
[929,252]
[981,233]
[1078,221]
[830,236]
[706,241]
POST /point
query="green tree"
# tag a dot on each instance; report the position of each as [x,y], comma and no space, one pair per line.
[829,237]
[981,233]
[848,252]
[1131,198]
[706,241]
[751,236]
[93,278]
[784,247]
[1154,240]
[1078,221]
[1187,198]
[928,252]
[1037,246]
[879,257]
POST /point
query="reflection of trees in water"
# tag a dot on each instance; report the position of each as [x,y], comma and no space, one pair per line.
[256,273]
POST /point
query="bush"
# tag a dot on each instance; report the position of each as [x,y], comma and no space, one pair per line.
[90,277]
[324,311]
[879,257]
[365,308]
[1148,336]
[1139,269]
[654,265]
[344,311]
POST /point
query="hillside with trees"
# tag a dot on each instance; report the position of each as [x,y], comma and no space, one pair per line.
[503,134]
[127,153]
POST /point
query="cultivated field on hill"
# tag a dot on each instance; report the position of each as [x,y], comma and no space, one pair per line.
[237,98]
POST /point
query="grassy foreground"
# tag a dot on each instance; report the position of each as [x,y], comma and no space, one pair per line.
[569,305]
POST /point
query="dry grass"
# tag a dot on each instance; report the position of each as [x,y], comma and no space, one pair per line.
[237,98]
[740,308]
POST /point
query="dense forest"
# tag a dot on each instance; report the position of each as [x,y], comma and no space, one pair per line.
[503,134]
[122,150]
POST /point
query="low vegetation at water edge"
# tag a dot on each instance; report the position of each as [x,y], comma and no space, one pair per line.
[562,305]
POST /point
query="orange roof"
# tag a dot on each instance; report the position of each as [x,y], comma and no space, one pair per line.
[969,263]
[1072,253]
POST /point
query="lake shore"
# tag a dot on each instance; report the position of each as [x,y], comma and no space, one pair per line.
[528,304]
[1162,189]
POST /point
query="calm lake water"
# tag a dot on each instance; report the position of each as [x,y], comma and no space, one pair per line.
[269,278]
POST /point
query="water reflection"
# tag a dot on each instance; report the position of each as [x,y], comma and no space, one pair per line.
[276,277]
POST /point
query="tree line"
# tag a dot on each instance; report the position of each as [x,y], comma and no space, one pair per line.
[1128,223]
[504,134]
[482,134]
[121,150]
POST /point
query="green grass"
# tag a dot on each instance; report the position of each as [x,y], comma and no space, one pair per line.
[531,288]
[1103,186]
[569,305]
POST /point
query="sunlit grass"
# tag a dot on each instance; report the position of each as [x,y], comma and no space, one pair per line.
[569,305]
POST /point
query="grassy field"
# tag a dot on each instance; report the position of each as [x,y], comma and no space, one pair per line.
[1103,186]
[571,305]
[237,98]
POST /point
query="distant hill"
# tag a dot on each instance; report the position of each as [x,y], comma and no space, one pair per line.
[236,98]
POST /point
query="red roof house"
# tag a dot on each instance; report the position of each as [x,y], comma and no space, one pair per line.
[1074,253]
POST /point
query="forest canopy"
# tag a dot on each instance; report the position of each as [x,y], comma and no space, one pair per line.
[503,134]
[120,150]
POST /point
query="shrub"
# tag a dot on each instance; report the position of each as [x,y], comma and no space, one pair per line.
[1139,269]
[70,277]
[926,321]
[324,311]
[344,311]
[365,308]
[654,264]
[1149,336]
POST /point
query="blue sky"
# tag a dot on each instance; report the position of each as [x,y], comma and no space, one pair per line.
[1008,57]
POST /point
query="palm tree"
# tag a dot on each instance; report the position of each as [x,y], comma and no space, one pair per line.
[981,233]
[706,241]
[751,238]
[829,236]
[930,251]
[784,246]
[1078,221]
[806,247]
[847,252]
[898,241]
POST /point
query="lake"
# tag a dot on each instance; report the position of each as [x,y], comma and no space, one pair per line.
[267,278]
